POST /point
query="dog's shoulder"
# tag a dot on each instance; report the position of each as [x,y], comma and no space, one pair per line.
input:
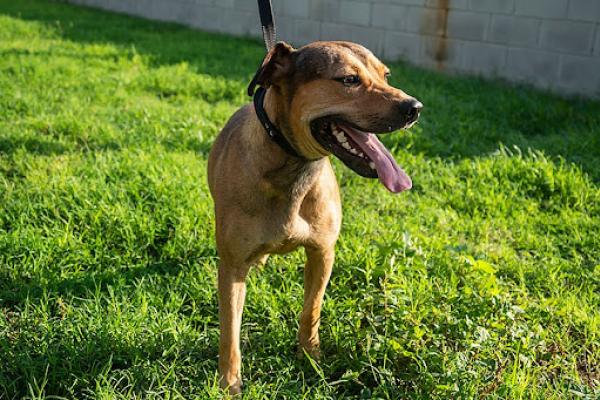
[239,118]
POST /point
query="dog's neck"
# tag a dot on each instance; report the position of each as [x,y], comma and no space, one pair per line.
[277,111]
[289,174]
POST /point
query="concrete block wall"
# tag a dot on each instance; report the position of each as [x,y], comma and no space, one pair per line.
[552,44]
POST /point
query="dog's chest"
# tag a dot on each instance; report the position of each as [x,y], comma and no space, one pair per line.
[285,229]
[305,222]
[304,211]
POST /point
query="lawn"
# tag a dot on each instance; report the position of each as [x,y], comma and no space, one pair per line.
[482,281]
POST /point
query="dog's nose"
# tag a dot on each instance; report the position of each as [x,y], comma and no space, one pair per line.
[409,110]
[414,109]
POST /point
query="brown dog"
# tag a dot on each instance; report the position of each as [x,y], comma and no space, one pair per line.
[325,98]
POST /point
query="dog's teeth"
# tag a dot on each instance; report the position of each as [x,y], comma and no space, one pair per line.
[353,151]
[342,138]
[372,165]
[361,154]
[346,145]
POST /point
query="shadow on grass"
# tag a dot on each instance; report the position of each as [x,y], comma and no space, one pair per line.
[99,357]
[34,146]
[50,148]
[73,363]
[39,145]
[164,43]
[463,117]
[17,292]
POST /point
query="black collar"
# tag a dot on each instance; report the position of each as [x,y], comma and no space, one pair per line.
[272,131]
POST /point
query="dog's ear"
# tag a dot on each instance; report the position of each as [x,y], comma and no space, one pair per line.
[276,65]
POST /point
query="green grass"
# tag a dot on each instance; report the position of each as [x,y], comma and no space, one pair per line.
[484,280]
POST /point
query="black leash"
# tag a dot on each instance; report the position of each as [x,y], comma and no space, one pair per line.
[268,27]
[268,23]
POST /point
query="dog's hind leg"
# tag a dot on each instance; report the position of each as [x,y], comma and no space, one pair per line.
[317,271]
[232,291]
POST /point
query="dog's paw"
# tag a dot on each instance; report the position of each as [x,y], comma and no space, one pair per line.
[235,390]
[232,387]
[313,351]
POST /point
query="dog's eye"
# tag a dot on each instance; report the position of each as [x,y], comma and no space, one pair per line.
[387,75]
[349,80]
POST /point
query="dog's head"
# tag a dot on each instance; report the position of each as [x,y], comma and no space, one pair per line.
[333,98]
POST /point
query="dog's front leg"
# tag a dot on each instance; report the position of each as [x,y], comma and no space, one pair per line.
[317,271]
[232,291]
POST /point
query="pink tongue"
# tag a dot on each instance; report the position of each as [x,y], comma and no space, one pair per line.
[389,173]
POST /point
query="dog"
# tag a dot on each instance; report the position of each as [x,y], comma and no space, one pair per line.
[272,196]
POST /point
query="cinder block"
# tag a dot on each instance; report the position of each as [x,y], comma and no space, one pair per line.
[581,74]
[441,53]
[404,46]
[184,11]
[192,12]
[231,4]
[95,3]
[483,58]
[354,12]
[451,4]
[534,66]
[244,5]
[467,25]
[542,8]
[560,39]
[389,16]
[325,10]
[277,5]
[409,2]
[296,8]
[495,6]
[371,38]
[331,31]
[187,12]
[145,7]
[125,6]
[306,31]
[208,18]
[457,4]
[584,10]
[286,30]
[567,36]
[243,23]
[510,29]
[159,10]
[130,7]
[425,20]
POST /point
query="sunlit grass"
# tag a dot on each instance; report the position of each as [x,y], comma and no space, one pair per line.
[482,280]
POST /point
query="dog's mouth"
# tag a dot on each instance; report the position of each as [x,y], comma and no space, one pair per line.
[360,151]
